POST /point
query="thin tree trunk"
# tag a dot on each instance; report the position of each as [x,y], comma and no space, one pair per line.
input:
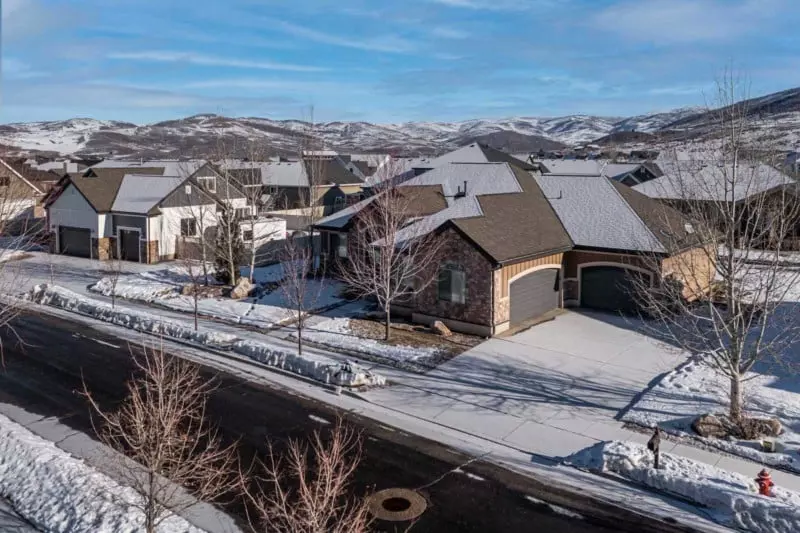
[736,399]
[195,308]
[252,252]
[299,338]
[387,310]
[203,257]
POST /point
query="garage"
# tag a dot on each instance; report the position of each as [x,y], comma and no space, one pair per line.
[610,288]
[534,295]
[74,241]
[129,245]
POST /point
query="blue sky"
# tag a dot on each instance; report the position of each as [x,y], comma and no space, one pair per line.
[386,61]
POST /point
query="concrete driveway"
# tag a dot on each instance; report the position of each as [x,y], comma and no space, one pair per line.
[551,390]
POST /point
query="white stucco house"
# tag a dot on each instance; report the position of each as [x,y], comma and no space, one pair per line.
[145,211]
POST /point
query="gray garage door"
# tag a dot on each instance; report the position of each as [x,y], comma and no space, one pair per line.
[74,241]
[534,294]
[610,288]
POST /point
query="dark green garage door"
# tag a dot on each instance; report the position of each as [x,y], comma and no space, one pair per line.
[74,241]
[534,295]
[610,288]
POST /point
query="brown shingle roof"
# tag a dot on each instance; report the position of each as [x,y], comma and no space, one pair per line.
[98,191]
[494,155]
[33,175]
[424,200]
[120,172]
[514,226]
[667,224]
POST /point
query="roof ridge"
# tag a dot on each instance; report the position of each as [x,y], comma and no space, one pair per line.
[610,183]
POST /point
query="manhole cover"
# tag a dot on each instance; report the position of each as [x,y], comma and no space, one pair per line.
[397,505]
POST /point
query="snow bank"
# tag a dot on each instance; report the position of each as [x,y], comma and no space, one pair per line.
[732,497]
[337,333]
[316,367]
[59,493]
[319,368]
[137,320]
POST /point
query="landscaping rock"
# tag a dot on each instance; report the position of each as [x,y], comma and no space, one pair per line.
[711,426]
[439,328]
[241,289]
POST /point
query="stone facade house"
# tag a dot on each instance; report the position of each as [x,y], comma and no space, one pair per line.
[518,245]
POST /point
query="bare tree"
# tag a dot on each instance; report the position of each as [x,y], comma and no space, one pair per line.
[388,257]
[19,231]
[300,257]
[306,490]
[112,269]
[745,214]
[161,426]
[254,224]
[197,273]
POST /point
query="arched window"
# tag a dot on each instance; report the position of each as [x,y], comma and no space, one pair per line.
[452,284]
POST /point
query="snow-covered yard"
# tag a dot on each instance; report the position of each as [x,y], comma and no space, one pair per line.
[337,333]
[695,388]
[163,288]
[731,499]
[61,494]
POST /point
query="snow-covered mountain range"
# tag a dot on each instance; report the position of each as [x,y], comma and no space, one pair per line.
[200,135]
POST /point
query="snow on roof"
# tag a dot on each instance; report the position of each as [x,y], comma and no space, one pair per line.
[141,193]
[172,167]
[595,215]
[284,174]
[471,153]
[711,181]
[340,219]
[481,178]
[586,167]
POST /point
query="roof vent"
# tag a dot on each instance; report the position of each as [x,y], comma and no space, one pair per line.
[461,193]
[689,228]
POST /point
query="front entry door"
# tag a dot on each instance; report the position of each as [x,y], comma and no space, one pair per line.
[129,245]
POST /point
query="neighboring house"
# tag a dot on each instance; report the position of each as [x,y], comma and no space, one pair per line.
[138,211]
[323,178]
[687,184]
[22,191]
[626,173]
[519,245]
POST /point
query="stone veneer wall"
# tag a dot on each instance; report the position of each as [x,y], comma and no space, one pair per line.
[477,308]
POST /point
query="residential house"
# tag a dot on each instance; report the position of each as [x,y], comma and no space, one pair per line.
[687,184]
[627,173]
[518,244]
[323,179]
[22,190]
[139,211]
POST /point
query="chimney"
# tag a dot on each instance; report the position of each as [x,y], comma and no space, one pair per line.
[66,167]
[461,193]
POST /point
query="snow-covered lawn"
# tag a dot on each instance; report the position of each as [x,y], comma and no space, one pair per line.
[163,288]
[59,493]
[694,389]
[320,368]
[732,499]
[10,255]
[337,333]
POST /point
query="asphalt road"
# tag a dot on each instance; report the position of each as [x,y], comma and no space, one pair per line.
[45,372]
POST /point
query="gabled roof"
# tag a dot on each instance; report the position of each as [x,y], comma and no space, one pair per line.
[599,213]
[587,167]
[141,194]
[474,153]
[328,171]
[99,191]
[169,167]
[711,181]
[14,169]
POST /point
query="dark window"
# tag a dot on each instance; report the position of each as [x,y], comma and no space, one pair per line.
[5,181]
[247,235]
[209,183]
[188,227]
[243,213]
[452,285]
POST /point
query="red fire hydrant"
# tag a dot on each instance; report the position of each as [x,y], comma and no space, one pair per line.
[765,484]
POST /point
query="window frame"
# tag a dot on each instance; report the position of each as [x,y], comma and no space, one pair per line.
[211,179]
[456,290]
[341,246]
[191,224]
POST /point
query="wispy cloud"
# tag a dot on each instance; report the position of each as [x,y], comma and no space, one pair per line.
[167,56]
[445,32]
[686,21]
[383,43]
[15,69]
[488,5]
